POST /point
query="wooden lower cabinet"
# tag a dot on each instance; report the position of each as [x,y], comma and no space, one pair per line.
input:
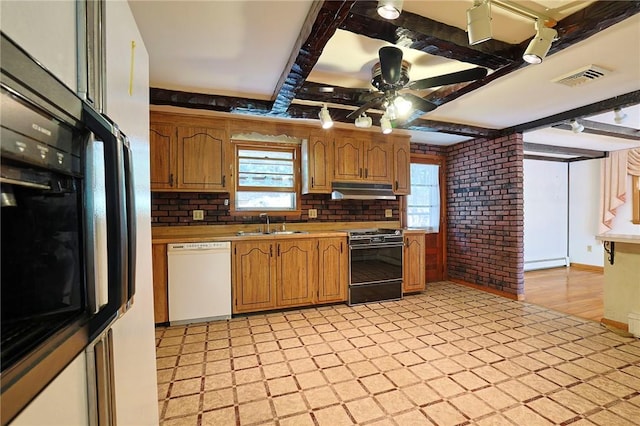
[333,270]
[414,258]
[253,275]
[288,272]
[295,272]
[160,283]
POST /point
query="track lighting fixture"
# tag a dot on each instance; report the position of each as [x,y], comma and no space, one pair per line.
[479,22]
[618,115]
[325,118]
[540,44]
[363,121]
[576,127]
[389,9]
[385,124]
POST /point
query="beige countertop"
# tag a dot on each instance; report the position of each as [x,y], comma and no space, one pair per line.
[192,234]
[620,238]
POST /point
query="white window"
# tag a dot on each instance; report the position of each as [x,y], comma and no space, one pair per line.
[267,178]
[423,205]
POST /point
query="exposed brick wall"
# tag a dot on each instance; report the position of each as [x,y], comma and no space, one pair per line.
[485,240]
[419,148]
[175,209]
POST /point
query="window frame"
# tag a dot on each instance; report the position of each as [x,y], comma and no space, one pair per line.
[435,160]
[635,196]
[238,145]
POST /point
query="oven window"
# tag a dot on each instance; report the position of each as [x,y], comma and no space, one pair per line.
[375,264]
[41,264]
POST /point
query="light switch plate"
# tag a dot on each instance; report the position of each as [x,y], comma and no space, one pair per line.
[388,213]
[313,213]
[198,215]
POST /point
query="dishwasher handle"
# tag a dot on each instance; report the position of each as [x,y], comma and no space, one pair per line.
[210,245]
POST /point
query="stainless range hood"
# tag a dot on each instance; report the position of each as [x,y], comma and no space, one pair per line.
[361,191]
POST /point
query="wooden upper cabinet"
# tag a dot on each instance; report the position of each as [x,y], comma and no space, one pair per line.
[201,158]
[296,274]
[414,262]
[402,166]
[188,153]
[362,158]
[348,162]
[378,163]
[333,269]
[317,163]
[162,147]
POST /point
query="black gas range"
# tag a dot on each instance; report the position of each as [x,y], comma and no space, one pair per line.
[375,265]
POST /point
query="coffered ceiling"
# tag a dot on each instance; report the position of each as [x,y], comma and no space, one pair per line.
[277,59]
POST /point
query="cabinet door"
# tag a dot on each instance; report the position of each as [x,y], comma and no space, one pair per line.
[333,270]
[253,276]
[414,273]
[162,146]
[317,164]
[296,272]
[378,161]
[160,281]
[348,159]
[201,158]
[402,166]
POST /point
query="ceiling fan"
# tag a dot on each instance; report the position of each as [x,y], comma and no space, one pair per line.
[391,75]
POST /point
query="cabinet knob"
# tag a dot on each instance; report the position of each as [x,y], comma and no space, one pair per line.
[171,179]
[224,181]
[312,181]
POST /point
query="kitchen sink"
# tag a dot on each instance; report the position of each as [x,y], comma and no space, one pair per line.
[252,234]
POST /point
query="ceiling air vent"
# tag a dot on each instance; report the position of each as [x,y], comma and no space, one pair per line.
[581,76]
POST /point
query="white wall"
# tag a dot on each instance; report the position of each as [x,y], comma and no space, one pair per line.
[545,214]
[27,22]
[584,205]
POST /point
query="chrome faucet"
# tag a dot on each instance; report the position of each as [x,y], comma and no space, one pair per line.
[266,215]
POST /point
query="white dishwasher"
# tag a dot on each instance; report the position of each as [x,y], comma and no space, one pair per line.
[199,281]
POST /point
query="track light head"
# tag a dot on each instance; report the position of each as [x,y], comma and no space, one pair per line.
[363,121]
[618,115]
[325,118]
[385,124]
[479,22]
[540,44]
[389,9]
[576,127]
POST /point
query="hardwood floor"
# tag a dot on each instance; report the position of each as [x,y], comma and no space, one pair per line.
[570,290]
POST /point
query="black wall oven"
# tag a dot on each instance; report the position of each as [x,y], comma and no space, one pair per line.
[67,223]
[375,265]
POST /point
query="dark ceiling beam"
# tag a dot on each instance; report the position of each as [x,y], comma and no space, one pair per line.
[429,36]
[546,158]
[563,150]
[320,25]
[604,129]
[209,102]
[605,105]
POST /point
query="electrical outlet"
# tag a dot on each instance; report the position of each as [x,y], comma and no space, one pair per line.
[589,249]
[198,215]
[388,213]
[313,213]
[226,201]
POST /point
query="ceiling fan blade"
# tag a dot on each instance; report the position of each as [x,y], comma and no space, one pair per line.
[390,64]
[419,103]
[452,78]
[355,114]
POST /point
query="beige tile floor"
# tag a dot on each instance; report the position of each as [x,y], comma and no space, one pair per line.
[450,356]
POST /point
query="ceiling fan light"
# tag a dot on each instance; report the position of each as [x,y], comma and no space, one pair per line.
[576,127]
[389,9]
[402,106]
[390,111]
[363,122]
[325,118]
[385,124]
[618,115]
[479,22]
[540,44]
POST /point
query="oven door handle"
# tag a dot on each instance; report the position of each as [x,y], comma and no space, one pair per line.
[370,246]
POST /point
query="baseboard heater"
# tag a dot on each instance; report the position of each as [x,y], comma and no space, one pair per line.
[530,265]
